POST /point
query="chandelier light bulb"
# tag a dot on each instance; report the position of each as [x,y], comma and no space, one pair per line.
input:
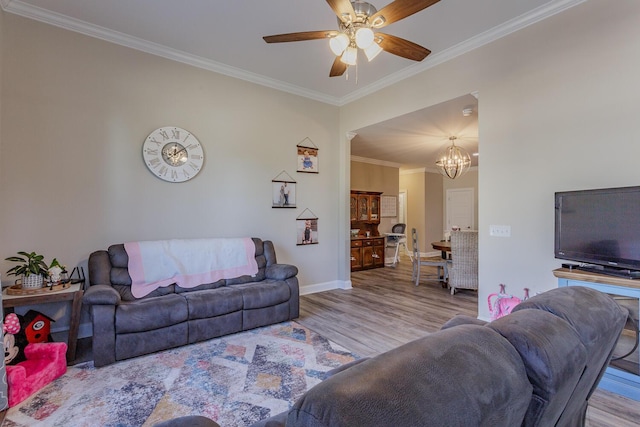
[364,37]
[339,43]
[350,56]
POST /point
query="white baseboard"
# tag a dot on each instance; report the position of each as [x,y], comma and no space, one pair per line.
[326,286]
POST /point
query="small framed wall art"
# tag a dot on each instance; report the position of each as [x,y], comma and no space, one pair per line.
[306,228]
[283,191]
[307,156]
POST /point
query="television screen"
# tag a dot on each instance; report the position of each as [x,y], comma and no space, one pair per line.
[599,227]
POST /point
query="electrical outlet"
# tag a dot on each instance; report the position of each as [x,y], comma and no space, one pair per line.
[500,230]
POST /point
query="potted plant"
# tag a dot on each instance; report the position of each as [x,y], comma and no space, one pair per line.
[31,267]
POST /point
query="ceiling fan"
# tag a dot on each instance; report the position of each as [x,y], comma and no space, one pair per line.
[356,20]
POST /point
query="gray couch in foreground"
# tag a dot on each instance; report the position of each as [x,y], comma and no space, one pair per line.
[125,326]
[535,367]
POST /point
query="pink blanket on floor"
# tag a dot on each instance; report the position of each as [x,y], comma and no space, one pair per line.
[188,263]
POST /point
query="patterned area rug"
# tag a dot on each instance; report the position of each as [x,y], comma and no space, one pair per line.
[235,380]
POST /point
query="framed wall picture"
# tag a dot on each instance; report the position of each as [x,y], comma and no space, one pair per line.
[306,228]
[283,191]
[307,156]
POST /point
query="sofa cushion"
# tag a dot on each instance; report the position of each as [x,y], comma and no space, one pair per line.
[150,313]
[213,302]
[215,285]
[264,294]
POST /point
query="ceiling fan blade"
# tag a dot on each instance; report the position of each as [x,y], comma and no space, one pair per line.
[343,9]
[338,68]
[397,10]
[401,47]
[298,37]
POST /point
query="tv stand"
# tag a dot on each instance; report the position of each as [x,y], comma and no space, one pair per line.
[622,376]
[609,271]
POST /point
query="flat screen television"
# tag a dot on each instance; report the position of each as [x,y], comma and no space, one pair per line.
[600,230]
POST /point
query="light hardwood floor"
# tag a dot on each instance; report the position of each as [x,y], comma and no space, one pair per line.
[385,309]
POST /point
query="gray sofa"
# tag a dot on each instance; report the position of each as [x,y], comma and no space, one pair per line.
[535,367]
[125,326]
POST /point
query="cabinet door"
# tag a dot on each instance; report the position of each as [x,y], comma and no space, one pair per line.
[354,207]
[363,208]
[356,259]
[367,257]
[374,210]
[378,253]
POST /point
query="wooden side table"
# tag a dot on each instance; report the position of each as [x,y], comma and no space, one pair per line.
[72,294]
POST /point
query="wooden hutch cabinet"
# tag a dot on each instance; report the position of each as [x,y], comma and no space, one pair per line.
[367,207]
[367,253]
[367,248]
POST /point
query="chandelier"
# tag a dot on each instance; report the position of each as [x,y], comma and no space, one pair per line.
[454,161]
[357,34]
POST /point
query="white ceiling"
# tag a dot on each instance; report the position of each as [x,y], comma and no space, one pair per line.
[413,141]
[226,37]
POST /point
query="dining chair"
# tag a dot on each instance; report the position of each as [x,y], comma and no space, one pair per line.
[463,270]
[441,264]
[394,240]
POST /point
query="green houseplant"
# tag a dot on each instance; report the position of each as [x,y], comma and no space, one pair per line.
[31,267]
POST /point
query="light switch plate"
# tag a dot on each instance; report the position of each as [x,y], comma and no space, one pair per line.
[500,230]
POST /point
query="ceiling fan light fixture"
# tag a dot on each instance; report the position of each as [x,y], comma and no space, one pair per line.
[379,21]
[372,51]
[364,37]
[350,56]
[339,43]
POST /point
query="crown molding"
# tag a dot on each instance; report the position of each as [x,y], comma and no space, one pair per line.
[375,162]
[495,33]
[428,170]
[39,14]
[36,13]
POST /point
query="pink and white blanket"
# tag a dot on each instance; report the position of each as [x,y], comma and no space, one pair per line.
[188,263]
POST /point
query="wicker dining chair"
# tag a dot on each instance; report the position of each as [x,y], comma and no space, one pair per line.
[463,270]
[441,264]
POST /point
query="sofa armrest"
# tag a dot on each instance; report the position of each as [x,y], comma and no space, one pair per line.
[281,271]
[101,295]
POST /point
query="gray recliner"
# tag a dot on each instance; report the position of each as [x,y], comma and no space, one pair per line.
[537,366]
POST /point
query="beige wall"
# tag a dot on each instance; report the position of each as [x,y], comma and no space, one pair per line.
[376,177]
[424,206]
[433,209]
[557,106]
[76,111]
[414,184]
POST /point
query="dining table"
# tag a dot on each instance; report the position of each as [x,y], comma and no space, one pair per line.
[444,246]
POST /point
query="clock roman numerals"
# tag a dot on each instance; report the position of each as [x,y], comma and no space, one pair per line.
[169,157]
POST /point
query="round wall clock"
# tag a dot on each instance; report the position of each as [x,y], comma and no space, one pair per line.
[173,154]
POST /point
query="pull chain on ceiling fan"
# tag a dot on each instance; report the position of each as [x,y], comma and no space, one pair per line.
[357,21]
